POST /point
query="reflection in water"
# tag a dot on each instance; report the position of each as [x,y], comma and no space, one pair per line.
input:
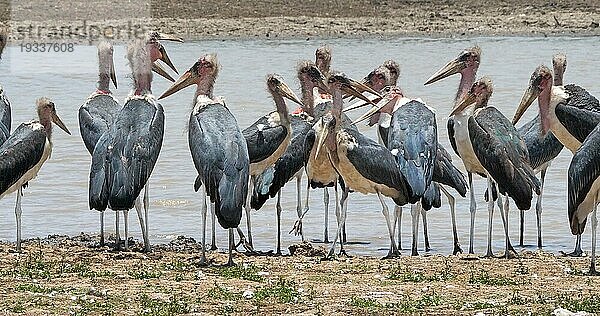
[56,201]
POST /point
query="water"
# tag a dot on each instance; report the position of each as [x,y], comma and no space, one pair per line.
[56,202]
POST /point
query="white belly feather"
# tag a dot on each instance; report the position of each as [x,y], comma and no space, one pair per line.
[464,145]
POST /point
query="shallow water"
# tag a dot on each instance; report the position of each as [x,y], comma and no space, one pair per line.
[56,202]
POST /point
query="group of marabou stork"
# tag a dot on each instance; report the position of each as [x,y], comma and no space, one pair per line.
[242,168]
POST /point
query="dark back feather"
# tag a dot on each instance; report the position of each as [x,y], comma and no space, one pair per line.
[444,172]
[502,152]
[96,116]
[220,155]
[542,149]
[20,152]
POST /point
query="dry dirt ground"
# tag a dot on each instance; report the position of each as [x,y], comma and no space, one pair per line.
[216,19]
[72,275]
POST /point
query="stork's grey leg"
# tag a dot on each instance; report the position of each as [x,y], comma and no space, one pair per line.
[117,236]
[521,227]
[341,219]
[503,209]
[398,221]
[489,252]
[297,228]
[425,231]
[326,204]
[247,208]
[299,201]
[203,210]
[125,218]
[138,209]
[231,246]
[415,211]
[452,202]
[343,232]
[213,236]
[278,207]
[393,252]
[18,212]
[337,201]
[538,208]
[594,227]
[101,228]
[473,209]
[146,204]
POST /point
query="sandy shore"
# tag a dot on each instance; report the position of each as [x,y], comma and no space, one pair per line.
[213,19]
[72,275]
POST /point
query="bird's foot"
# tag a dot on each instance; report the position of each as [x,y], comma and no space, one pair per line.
[230,263]
[574,253]
[510,254]
[392,255]
[427,249]
[297,228]
[205,263]
[213,247]
[457,249]
[593,271]
[343,253]
[489,254]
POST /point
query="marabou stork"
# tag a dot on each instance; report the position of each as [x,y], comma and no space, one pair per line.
[218,149]
[542,149]
[5,111]
[289,165]
[584,188]
[25,151]
[363,164]
[466,64]
[407,127]
[569,111]
[267,139]
[125,155]
[497,150]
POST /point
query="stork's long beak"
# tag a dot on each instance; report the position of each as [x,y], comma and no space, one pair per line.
[113,75]
[59,122]
[453,67]
[469,99]
[322,137]
[361,87]
[286,92]
[354,89]
[161,71]
[186,80]
[165,58]
[359,105]
[168,37]
[530,95]
[388,100]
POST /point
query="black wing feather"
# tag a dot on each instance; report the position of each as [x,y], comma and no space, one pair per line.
[451,135]
[542,149]
[502,152]
[579,122]
[220,155]
[20,152]
[444,172]
[95,118]
[262,143]
[583,171]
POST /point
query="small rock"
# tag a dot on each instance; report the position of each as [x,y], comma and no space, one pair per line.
[594,25]
[248,294]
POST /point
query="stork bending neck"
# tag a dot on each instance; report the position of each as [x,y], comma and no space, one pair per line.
[544,107]
[282,109]
[104,71]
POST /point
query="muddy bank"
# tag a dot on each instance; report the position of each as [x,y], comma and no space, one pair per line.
[73,275]
[213,19]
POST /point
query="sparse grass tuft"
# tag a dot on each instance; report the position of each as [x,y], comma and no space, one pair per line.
[403,274]
[142,272]
[36,288]
[283,291]
[244,272]
[579,302]
[222,294]
[364,303]
[156,307]
[483,277]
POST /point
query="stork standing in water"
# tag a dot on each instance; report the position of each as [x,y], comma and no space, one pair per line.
[466,64]
[569,111]
[363,164]
[218,148]
[408,127]
[25,151]
[542,149]
[125,155]
[268,138]
[5,111]
[289,165]
[584,189]
[496,150]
